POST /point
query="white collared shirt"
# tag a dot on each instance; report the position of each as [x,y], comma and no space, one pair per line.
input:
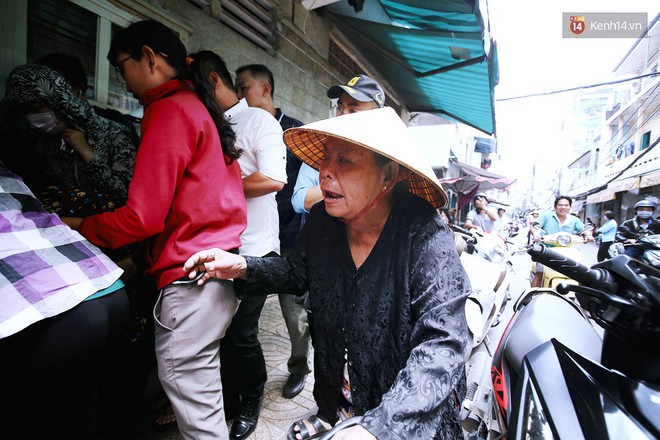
[259,135]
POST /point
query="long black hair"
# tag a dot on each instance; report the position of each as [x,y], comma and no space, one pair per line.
[203,63]
[162,40]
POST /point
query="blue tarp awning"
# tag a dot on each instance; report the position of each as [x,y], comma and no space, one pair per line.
[437,55]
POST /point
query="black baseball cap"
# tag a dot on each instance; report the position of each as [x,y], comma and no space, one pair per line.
[361,88]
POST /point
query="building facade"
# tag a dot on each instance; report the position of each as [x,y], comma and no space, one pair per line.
[622,162]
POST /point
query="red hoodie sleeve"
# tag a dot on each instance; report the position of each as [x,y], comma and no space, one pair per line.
[169,140]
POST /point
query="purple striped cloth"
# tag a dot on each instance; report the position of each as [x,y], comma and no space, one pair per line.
[46,268]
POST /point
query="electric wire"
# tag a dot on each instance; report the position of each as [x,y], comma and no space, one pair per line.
[590,86]
[633,132]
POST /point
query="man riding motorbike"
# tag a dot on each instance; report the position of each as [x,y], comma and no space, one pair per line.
[481,217]
[551,222]
[641,225]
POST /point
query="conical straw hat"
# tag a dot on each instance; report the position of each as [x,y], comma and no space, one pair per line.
[381,131]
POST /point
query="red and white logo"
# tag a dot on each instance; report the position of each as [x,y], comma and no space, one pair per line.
[577,24]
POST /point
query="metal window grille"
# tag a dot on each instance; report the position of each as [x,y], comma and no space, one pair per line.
[254,19]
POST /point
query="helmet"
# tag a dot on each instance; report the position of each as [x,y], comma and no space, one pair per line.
[645,204]
[480,195]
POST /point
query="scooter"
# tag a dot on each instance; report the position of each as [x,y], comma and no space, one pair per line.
[563,243]
[650,244]
[553,375]
[489,269]
[487,264]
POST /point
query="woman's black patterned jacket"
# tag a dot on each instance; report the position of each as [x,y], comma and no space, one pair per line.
[401,316]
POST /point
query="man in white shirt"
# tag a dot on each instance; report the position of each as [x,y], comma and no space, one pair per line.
[480,217]
[263,167]
[256,84]
[502,221]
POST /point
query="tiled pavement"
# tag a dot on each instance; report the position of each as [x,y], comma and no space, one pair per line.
[277,413]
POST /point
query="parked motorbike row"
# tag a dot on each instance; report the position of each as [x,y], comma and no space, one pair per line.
[580,367]
[553,375]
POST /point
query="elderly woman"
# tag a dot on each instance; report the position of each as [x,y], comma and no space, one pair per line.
[386,287]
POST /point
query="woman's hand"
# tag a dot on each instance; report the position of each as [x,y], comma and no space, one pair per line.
[356,432]
[215,263]
[72,222]
[76,139]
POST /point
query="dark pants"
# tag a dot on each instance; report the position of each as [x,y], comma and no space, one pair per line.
[50,371]
[242,363]
[603,250]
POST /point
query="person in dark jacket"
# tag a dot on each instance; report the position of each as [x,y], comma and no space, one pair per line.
[641,225]
[385,283]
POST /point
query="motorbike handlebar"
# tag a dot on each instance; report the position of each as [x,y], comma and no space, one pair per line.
[598,278]
[459,229]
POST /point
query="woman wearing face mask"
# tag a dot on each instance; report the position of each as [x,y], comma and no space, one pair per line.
[75,147]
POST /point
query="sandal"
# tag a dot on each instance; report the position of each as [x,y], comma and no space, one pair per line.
[304,431]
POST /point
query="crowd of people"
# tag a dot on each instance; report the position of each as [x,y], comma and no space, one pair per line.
[211,182]
[626,235]
[129,252]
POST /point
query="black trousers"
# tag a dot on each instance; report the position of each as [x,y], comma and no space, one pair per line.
[603,250]
[242,363]
[50,370]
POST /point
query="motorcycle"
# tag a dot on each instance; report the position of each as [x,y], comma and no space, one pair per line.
[563,243]
[553,375]
[485,260]
[489,269]
[649,244]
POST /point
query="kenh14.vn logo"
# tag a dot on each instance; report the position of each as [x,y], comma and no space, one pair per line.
[577,24]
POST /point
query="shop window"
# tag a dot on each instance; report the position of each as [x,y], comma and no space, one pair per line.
[56,26]
[67,27]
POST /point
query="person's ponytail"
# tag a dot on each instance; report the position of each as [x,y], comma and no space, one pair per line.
[206,93]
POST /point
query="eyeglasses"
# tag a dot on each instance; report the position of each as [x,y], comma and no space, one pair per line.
[119,65]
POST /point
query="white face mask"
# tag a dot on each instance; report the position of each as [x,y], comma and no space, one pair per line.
[644,214]
[46,123]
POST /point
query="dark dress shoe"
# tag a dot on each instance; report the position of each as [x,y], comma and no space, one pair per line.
[246,421]
[293,386]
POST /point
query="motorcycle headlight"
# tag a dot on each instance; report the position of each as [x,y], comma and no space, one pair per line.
[563,239]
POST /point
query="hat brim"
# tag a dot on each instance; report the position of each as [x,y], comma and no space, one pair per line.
[335,92]
[381,131]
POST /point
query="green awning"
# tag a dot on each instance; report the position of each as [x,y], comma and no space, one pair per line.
[437,55]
